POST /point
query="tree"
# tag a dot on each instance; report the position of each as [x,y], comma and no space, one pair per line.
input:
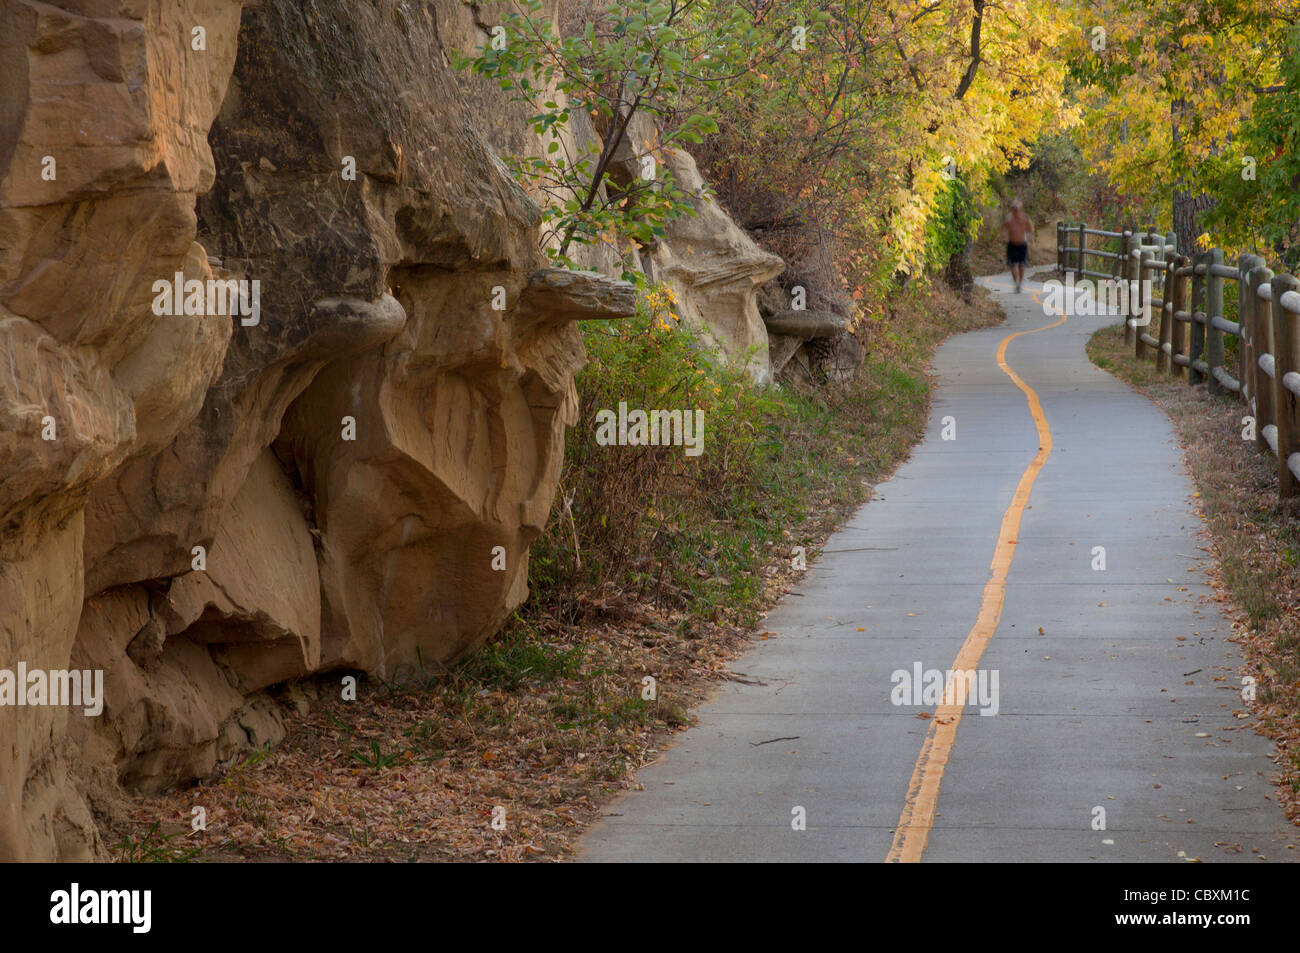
[1258,179]
[1167,91]
[854,141]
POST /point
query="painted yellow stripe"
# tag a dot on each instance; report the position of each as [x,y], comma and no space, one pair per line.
[913,831]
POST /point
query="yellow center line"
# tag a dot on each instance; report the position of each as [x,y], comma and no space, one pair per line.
[913,831]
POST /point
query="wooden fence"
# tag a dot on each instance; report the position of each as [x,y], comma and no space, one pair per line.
[1188,331]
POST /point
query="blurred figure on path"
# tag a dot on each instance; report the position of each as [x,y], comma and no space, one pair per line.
[1018,230]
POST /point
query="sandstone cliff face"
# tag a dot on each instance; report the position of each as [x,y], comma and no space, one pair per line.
[206,503]
[103,148]
[716,270]
[227,501]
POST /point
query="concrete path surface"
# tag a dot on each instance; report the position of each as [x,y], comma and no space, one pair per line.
[1105,690]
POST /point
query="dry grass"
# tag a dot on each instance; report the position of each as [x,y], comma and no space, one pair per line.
[548,721]
[1254,537]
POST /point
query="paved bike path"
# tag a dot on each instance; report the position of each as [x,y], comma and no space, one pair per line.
[1099,703]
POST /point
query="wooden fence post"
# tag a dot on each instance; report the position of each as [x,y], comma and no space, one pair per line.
[1196,331]
[1261,338]
[1131,275]
[1140,349]
[1083,243]
[1165,353]
[1161,333]
[1245,306]
[1286,355]
[1213,309]
[1060,249]
[1176,299]
[1124,272]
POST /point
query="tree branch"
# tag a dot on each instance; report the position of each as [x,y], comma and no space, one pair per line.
[974,66]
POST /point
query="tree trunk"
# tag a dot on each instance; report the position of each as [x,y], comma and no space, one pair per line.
[958,275]
[1186,205]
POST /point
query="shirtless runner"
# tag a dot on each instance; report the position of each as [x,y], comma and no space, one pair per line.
[1018,229]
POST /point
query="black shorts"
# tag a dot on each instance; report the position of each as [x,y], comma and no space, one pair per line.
[1017,253]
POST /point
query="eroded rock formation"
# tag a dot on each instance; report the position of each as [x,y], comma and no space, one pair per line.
[712,265]
[716,269]
[206,504]
[807,345]
[103,149]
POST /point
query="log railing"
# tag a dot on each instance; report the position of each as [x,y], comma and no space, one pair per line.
[1190,338]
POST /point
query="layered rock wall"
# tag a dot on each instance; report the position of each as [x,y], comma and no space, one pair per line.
[205,503]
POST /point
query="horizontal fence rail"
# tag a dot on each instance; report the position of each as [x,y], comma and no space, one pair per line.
[1189,333]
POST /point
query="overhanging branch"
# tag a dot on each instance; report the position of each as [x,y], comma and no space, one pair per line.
[973,67]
